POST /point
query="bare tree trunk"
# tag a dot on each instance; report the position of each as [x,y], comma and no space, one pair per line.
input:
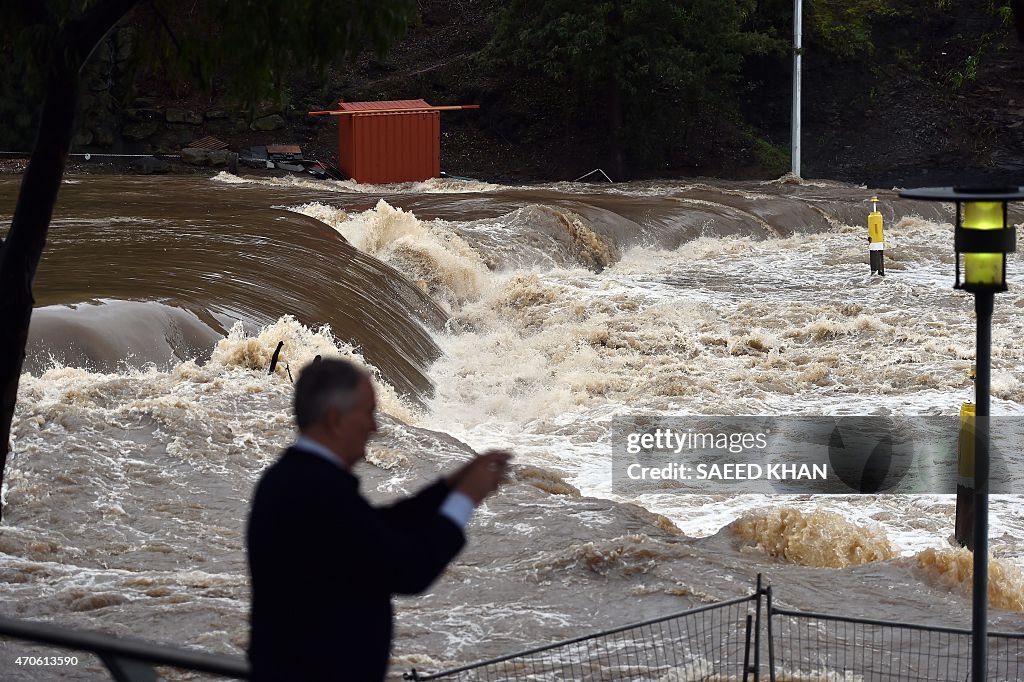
[22,250]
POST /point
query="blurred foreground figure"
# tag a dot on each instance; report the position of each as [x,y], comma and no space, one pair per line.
[324,563]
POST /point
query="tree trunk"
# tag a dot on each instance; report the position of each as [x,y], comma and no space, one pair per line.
[22,250]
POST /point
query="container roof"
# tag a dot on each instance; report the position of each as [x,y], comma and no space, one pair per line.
[389,104]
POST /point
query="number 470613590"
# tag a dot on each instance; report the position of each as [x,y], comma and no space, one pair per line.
[46,660]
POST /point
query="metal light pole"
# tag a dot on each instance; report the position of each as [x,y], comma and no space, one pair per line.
[798,21]
[984,237]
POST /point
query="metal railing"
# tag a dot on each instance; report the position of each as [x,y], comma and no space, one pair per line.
[722,642]
[128,660]
[805,645]
[718,639]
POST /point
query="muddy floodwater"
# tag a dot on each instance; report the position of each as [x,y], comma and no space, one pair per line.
[526,318]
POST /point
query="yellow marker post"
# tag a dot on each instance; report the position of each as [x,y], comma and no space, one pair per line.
[964,527]
[876,239]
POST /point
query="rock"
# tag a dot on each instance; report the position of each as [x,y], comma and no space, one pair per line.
[150,164]
[183,116]
[266,109]
[136,132]
[225,158]
[142,114]
[272,122]
[215,114]
[241,125]
[175,136]
[222,127]
[125,44]
[23,120]
[81,138]
[87,100]
[195,157]
[103,135]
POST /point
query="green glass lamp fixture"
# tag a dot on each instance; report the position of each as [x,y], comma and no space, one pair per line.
[982,235]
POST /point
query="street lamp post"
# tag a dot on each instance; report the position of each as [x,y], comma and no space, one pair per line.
[983,237]
[798,48]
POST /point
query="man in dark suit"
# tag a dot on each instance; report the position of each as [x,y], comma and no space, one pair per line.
[325,563]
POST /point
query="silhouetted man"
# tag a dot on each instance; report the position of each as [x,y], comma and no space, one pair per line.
[324,563]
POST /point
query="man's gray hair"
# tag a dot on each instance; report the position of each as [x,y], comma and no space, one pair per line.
[323,385]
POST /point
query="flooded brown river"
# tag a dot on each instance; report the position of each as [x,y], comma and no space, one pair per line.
[521,317]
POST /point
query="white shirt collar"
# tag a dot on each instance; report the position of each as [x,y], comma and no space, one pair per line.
[313,447]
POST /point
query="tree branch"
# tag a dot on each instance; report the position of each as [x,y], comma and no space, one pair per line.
[165,25]
[84,33]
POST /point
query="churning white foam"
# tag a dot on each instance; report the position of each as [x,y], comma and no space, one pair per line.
[545,358]
[441,263]
[300,346]
[433,185]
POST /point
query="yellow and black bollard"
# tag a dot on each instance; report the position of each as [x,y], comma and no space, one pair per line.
[876,239]
[964,527]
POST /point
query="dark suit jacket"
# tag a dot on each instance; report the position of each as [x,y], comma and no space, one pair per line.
[324,565]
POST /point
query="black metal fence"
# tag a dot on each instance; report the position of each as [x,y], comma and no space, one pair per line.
[815,646]
[717,639]
[722,642]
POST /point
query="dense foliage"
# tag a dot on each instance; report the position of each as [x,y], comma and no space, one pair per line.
[254,42]
[664,80]
[635,60]
[251,45]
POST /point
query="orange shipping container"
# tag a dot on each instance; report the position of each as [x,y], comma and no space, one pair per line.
[399,144]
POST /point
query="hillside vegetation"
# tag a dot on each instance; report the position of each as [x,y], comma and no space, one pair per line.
[895,92]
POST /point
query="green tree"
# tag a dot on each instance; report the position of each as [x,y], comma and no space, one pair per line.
[633,58]
[250,42]
[843,27]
